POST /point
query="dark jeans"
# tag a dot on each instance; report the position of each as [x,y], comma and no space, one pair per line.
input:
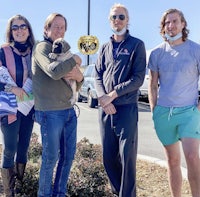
[16,139]
[119,133]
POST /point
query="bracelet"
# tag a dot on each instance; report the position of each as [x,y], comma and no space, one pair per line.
[8,88]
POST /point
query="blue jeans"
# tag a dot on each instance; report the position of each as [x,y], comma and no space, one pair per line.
[58,130]
[16,139]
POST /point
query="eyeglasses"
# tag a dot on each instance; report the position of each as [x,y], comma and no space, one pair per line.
[120,17]
[17,27]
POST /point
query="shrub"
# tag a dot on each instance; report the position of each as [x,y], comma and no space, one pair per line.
[87,177]
[30,181]
[35,149]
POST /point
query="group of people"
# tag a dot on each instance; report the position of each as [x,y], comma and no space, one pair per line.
[52,108]
[120,71]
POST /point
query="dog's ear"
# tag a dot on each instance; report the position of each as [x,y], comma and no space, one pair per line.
[57,48]
[66,46]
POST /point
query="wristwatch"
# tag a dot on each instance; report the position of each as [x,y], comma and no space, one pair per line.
[8,88]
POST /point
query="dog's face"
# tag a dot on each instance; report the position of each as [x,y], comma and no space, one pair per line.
[60,46]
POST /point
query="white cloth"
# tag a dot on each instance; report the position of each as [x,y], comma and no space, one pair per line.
[8,103]
[8,100]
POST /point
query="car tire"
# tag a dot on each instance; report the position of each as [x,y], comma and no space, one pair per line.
[91,101]
[79,99]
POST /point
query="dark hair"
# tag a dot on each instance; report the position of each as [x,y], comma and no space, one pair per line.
[49,22]
[9,36]
[185,31]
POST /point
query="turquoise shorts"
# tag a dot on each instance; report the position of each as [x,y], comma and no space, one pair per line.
[174,123]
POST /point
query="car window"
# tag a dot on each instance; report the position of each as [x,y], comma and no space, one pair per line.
[86,73]
[89,71]
[93,72]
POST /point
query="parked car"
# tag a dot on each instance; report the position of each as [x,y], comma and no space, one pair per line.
[87,91]
[143,90]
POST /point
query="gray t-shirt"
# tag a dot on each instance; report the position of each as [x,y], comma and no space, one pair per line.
[179,69]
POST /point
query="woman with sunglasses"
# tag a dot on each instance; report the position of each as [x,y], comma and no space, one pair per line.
[16,128]
[120,71]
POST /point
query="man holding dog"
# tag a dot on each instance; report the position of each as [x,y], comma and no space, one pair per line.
[54,111]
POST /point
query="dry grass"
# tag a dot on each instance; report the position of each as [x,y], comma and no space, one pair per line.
[151,181]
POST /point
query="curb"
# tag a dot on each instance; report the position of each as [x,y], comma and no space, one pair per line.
[162,163]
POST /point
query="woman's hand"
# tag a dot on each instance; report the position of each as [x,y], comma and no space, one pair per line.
[19,92]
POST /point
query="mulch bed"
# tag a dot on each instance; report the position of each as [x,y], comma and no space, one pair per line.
[151,181]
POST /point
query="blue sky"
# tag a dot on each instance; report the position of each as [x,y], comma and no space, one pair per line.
[144,17]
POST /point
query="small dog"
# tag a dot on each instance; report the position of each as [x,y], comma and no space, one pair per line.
[61,52]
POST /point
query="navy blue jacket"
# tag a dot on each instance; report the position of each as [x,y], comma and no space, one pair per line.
[124,73]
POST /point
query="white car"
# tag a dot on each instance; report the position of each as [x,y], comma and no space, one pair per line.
[87,91]
[143,90]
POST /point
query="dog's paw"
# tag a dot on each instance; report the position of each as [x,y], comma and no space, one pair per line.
[52,56]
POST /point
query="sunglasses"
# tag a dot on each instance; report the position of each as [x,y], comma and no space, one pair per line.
[120,17]
[17,27]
